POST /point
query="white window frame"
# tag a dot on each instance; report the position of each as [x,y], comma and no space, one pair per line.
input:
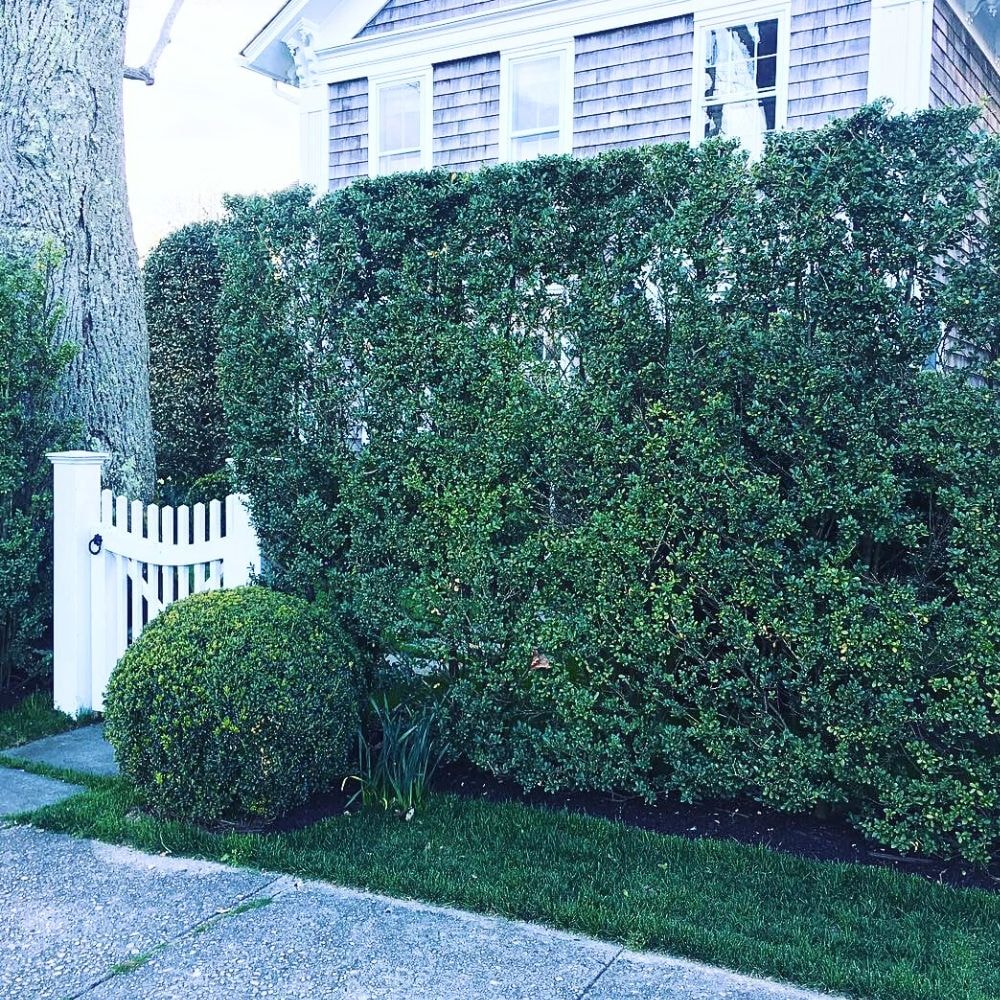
[566,50]
[376,84]
[741,14]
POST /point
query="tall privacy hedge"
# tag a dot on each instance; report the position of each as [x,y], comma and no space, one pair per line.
[182,278]
[724,535]
[30,369]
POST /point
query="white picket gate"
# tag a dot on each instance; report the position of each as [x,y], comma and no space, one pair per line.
[119,563]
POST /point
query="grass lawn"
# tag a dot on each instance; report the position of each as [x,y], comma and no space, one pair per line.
[32,719]
[865,932]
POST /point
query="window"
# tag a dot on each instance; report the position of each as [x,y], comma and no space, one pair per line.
[399,139]
[537,105]
[744,80]
[557,348]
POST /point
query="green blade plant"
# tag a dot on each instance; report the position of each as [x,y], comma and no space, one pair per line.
[397,763]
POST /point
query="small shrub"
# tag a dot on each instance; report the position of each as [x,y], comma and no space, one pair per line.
[234,704]
[29,375]
[396,765]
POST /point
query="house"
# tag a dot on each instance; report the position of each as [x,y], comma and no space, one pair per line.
[409,84]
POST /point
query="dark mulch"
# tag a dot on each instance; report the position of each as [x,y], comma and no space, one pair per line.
[744,822]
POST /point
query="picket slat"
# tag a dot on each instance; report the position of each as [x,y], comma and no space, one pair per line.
[135,521]
[154,573]
[121,606]
[198,517]
[135,599]
[168,525]
[107,507]
[198,514]
[215,535]
[183,538]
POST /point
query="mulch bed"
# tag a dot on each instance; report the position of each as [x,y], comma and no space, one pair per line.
[746,823]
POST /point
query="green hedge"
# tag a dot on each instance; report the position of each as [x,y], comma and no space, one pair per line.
[234,704]
[182,279]
[745,546]
[30,368]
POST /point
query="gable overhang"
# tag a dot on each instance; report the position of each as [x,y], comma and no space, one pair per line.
[336,21]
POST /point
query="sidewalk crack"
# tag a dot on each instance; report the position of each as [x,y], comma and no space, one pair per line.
[123,968]
[614,958]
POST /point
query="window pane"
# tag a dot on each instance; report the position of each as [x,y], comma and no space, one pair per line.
[769,108]
[536,86]
[741,59]
[713,121]
[743,120]
[767,73]
[391,163]
[768,44]
[529,146]
[399,117]
[731,54]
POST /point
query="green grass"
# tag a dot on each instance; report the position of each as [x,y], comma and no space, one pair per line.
[855,930]
[30,720]
[249,906]
[864,932]
[132,964]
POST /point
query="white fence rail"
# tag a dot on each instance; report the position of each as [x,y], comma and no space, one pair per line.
[119,563]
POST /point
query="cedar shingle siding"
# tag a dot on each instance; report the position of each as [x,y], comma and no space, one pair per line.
[633,86]
[467,112]
[409,13]
[960,71]
[348,132]
[828,74]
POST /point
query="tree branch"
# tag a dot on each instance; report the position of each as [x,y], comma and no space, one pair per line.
[147,72]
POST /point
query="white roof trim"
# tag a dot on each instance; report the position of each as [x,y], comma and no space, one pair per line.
[340,20]
[341,52]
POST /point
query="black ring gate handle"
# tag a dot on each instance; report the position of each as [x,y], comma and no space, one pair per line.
[95,545]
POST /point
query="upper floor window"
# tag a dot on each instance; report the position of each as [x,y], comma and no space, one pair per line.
[400,124]
[742,94]
[536,112]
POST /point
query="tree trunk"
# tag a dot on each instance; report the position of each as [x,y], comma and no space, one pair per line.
[62,181]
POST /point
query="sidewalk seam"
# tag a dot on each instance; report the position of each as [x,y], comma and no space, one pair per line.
[169,942]
[614,958]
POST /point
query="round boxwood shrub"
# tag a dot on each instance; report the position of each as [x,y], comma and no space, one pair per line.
[234,704]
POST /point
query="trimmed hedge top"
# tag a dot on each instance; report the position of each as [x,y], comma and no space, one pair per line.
[182,278]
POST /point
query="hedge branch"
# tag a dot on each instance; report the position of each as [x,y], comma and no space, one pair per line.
[147,71]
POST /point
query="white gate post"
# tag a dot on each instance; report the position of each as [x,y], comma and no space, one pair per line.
[76,509]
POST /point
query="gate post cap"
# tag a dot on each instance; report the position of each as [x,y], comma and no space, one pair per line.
[78,457]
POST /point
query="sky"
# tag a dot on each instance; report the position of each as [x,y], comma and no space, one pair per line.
[208,127]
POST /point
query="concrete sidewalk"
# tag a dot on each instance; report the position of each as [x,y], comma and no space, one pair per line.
[86,920]
[84,750]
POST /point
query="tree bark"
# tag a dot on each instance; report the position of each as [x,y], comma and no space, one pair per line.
[62,181]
